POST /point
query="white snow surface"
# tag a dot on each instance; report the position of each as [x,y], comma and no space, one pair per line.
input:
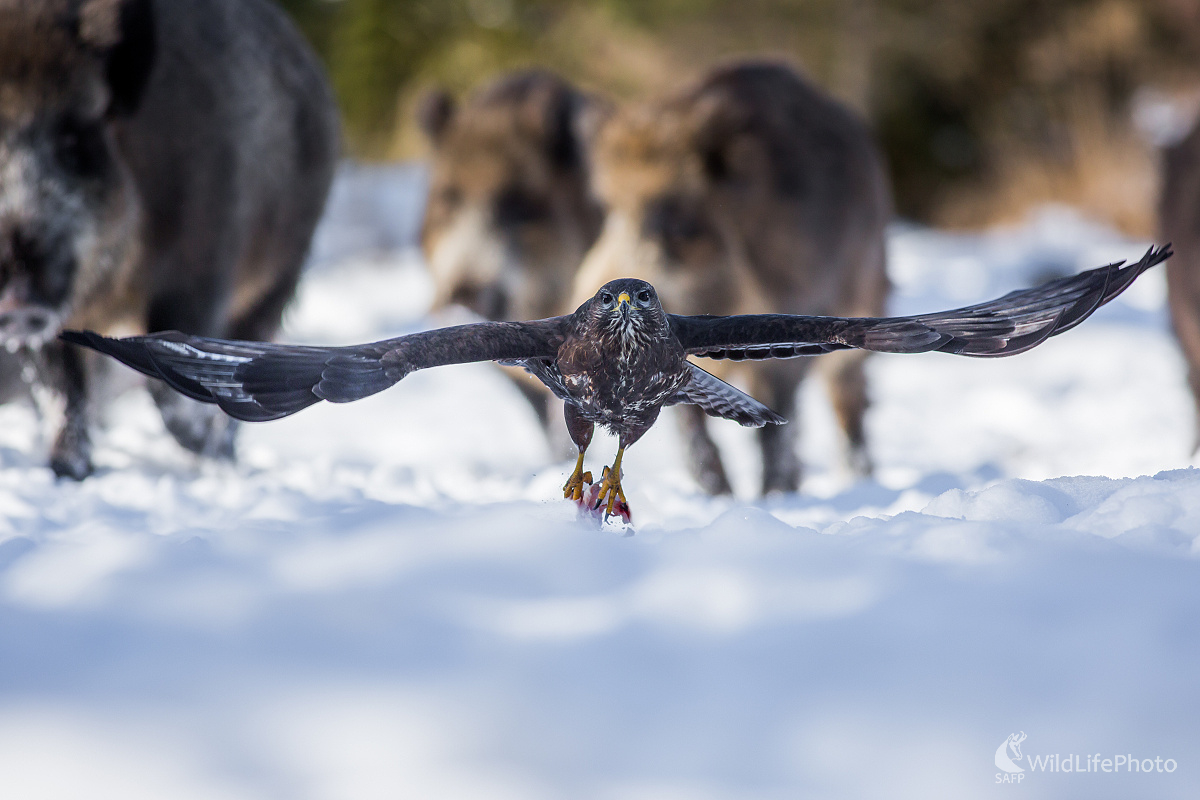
[391,599]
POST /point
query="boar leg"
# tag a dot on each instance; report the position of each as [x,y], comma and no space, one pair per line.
[11,384]
[1192,355]
[1183,294]
[204,429]
[847,386]
[1194,382]
[548,409]
[201,428]
[71,454]
[705,460]
[775,384]
[538,398]
[262,321]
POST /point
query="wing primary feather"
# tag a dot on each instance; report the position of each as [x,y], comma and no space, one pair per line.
[1005,326]
[257,381]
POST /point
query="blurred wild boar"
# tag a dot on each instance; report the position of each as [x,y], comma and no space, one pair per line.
[162,165]
[509,215]
[749,192]
[1179,223]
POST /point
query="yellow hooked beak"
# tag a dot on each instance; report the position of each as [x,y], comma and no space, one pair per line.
[623,298]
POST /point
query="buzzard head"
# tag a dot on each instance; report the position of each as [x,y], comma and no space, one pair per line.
[628,308]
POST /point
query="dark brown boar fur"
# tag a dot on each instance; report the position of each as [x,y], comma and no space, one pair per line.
[748,192]
[509,215]
[162,166]
[1179,223]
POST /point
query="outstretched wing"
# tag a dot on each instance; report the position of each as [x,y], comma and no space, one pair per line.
[1004,327]
[258,381]
[719,399]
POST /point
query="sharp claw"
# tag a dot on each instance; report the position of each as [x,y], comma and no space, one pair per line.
[602,487]
[608,493]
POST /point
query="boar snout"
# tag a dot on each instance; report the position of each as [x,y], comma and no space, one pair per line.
[27,327]
[37,272]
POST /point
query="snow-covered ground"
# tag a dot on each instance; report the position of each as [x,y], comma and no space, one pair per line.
[390,599]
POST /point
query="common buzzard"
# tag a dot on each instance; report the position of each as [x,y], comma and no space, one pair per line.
[615,362]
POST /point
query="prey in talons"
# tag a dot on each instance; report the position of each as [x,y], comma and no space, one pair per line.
[616,362]
[609,494]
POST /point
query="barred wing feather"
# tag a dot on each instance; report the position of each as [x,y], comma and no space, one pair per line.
[1006,326]
[258,381]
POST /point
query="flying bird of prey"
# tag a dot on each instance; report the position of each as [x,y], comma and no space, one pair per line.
[615,362]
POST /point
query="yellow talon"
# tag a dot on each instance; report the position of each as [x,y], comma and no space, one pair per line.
[610,486]
[573,488]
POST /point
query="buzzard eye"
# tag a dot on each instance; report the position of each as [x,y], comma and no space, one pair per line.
[644,296]
[606,298]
